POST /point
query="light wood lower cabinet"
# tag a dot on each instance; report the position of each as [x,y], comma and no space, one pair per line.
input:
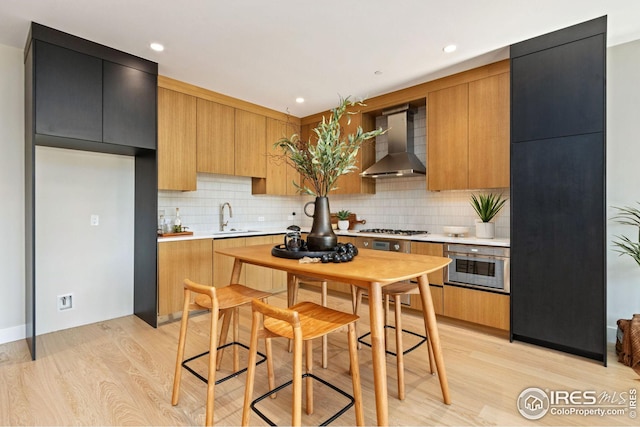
[177,261]
[471,305]
[222,264]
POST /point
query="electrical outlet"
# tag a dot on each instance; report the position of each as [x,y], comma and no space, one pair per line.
[95,220]
[260,218]
[65,302]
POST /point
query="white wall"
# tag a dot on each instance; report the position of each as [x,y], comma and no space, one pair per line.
[94,263]
[11,194]
[623,156]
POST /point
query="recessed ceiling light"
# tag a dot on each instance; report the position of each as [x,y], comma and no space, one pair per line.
[450,48]
[157,47]
[377,72]
[299,100]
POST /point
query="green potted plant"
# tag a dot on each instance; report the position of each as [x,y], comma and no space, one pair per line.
[487,207]
[320,164]
[343,219]
[625,246]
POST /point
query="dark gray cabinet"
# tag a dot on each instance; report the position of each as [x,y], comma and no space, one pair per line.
[81,97]
[558,212]
[85,96]
[129,106]
[68,89]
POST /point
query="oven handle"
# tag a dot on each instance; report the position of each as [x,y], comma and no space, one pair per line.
[468,255]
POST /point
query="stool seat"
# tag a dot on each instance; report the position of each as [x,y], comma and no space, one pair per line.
[231,296]
[315,321]
[298,279]
[301,323]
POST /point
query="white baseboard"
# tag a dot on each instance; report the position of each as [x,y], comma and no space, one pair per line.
[611,334]
[13,333]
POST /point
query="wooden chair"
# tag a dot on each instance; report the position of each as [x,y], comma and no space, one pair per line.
[302,322]
[323,301]
[225,302]
[395,291]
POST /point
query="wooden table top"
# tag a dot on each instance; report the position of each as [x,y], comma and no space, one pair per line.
[367,267]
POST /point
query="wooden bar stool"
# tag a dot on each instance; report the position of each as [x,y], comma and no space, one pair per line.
[225,302]
[323,302]
[302,323]
[395,291]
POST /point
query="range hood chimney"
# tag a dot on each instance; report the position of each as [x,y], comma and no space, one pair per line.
[401,161]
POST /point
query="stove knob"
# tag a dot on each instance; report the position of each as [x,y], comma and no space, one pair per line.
[396,247]
[365,244]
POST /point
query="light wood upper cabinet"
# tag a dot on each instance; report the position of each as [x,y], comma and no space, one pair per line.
[216,138]
[447,138]
[179,260]
[280,174]
[250,144]
[468,135]
[489,132]
[176,140]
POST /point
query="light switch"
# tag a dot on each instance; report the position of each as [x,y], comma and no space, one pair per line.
[95,220]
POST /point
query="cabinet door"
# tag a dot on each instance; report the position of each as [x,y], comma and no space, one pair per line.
[179,260]
[436,279]
[68,93]
[353,183]
[276,181]
[176,140]
[223,264]
[216,135]
[250,138]
[447,143]
[129,109]
[489,132]
[257,277]
[292,173]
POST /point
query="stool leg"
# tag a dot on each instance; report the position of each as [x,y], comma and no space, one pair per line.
[184,322]
[293,298]
[399,347]
[224,333]
[270,374]
[325,356]
[309,380]
[211,377]
[296,405]
[386,321]
[251,367]
[355,374]
[236,338]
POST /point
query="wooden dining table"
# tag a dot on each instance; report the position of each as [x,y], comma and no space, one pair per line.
[371,270]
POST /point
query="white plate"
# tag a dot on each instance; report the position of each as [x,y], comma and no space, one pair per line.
[455,230]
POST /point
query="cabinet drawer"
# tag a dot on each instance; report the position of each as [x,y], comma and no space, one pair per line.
[484,308]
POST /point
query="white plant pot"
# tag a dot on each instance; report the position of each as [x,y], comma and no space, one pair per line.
[343,224]
[485,230]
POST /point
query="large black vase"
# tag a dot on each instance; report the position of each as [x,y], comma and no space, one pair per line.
[321,237]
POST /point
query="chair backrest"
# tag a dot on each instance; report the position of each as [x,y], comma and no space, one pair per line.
[209,291]
[290,317]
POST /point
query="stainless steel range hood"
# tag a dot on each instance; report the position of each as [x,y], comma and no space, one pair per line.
[401,161]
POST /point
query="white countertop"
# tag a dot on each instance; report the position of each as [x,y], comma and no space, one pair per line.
[436,238]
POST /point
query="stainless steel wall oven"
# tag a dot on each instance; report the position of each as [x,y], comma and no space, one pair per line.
[482,267]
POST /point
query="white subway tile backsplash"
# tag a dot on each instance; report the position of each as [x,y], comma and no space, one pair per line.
[398,203]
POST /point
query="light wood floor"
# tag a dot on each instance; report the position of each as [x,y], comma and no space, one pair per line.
[120,372]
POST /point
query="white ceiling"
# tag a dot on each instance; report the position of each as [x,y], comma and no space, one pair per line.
[271,51]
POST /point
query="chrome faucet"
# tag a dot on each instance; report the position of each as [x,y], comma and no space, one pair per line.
[224,223]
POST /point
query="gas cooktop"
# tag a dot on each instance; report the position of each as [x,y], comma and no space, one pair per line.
[391,231]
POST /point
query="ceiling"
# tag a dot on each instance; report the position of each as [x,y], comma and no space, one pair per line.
[271,52]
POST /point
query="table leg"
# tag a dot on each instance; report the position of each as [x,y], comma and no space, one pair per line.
[378,353]
[434,338]
[235,273]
